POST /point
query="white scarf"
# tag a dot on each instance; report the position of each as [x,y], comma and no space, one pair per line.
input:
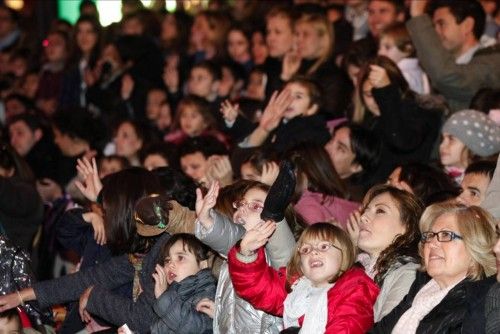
[310,302]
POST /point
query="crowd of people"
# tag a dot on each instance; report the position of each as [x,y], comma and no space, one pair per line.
[253,167]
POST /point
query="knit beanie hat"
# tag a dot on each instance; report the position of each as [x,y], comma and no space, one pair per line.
[476,130]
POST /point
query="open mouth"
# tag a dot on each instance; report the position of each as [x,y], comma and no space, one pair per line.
[315,263]
[171,276]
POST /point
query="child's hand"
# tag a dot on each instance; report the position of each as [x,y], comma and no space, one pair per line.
[257,237]
[229,111]
[98,226]
[204,204]
[272,115]
[219,169]
[353,226]
[206,306]
[127,86]
[378,77]
[291,64]
[160,278]
[270,172]
[82,308]
[90,176]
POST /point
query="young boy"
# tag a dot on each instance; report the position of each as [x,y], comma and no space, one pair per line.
[10,322]
[477,178]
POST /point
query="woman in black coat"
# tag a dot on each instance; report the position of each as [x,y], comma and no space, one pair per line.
[450,296]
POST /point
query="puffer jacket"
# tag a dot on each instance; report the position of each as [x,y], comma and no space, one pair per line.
[176,307]
[233,314]
[461,310]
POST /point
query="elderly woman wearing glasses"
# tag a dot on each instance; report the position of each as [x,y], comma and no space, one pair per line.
[456,248]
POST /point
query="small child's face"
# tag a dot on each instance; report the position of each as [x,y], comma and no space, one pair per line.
[452,152]
[248,172]
[256,86]
[194,165]
[387,47]
[320,261]
[474,187]
[249,208]
[191,121]
[109,166]
[10,326]
[154,102]
[180,263]
[301,104]
[237,45]
[201,83]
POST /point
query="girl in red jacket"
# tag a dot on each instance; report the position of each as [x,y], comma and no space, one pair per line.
[319,291]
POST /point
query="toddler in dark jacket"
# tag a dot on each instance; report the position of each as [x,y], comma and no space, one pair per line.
[182,280]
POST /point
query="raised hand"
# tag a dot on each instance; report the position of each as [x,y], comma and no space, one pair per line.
[353,226]
[92,183]
[229,111]
[219,169]
[160,279]
[270,172]
[82,308]
[127,86]
[378,77]
[257,237]
[98,225]
[291,64]
[273,114]
[204,204]
[417,7]
[206,306]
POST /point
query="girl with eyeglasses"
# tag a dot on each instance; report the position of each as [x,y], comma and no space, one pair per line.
[249,209]
[320,291]
[449,295]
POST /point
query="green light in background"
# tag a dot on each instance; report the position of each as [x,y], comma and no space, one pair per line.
[68,10]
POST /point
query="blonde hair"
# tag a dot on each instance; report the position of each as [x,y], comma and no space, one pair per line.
[327,232]
[325,31]
[477,228]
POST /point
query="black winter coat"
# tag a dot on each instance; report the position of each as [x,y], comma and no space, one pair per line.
[461,310]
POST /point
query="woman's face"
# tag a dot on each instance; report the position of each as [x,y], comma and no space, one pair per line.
[237,45]
[168,28]
[248,172]
[194,165]
[86,37]
[248,209]
[55,49]
[369,100]
[127,142]
[320,265]
[259,48]
[309,43]
[341,154]
[380,225]
[191,121]
[452,151]
[279,37]
[446,262]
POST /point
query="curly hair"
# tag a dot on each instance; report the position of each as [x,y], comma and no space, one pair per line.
[404,247]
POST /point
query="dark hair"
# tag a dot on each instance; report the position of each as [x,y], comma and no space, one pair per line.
[138,129]
[96,27]
[9,159]
[14,15]
[259,158]
[359,53]
[206,145]
[461,10]
[235,192]
[24,100]
[483,167]
[485,100]
[366,147]
[77,124]
[30,119]
[177,186]
[121,160]
[201,105]
[427,181]
[312,87]
[163,149]
[183,23]
[314,165]
[10,315]
[211,67]
[189,243]
[403,246]
[120,193]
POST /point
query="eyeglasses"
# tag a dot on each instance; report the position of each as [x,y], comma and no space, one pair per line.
[252,206]
[442,236]
[321,247]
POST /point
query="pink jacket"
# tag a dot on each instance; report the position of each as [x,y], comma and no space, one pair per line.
[315,208]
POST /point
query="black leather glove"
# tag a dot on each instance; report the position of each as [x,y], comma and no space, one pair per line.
[280,194]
